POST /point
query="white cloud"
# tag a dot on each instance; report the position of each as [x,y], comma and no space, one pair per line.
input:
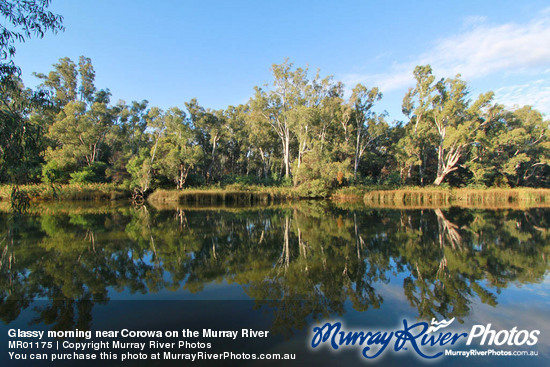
[536,94]
[486,50]
[483,50]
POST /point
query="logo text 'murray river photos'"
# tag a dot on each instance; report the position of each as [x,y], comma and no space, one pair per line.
[422,338]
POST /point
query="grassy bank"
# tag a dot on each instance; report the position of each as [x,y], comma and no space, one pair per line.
[412,197]
[402,198]
[228,195]
[437,197]
[70,192]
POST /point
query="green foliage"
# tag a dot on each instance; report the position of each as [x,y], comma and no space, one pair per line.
[286,181]
[393,179]
[139,168]
[247,180]
[77,191]
[333,174]
[315,188]
[52,172]
[195,180]
[20,137]
[94,173]
[298,130]
[178,154]
[25,19]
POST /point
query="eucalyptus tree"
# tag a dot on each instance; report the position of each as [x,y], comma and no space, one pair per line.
[516,151]
[23,20]
[80,132]
[482,162]
[415,146]
[62,82]
[178,152]
[79,126]
[314,117]
[126,137]
[236,151]
[297,109]
[329,147]
[210,127]
[457,121]
[333,114]
[264,148]
[21,143]
[442,120]
[278,107]
[367,127]
[135,124]
[140,166]
[529,133]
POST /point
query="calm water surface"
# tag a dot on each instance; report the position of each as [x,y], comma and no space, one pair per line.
[300,264]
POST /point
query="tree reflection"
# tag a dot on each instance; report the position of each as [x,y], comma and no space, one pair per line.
[301,261]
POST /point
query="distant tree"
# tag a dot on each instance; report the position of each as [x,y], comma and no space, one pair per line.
[415,147]
[263,144]
[178,152]
[236,146]
[62,82]
[127,137]
[278,108]
[513,149]
[457,121]
[448,120]
[80,127]
[210,127]
[367,130]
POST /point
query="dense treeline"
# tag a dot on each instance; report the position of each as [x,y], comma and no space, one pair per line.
[303,130]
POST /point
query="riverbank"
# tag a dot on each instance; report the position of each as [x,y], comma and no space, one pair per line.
[412,197]
[230,195]
[69,192]
[467,197]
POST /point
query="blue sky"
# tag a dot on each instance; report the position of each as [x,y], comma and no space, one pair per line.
[171,51]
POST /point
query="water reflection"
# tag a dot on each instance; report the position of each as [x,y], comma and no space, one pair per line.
[309,257]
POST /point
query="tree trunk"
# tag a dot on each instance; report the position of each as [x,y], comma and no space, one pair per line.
[446,165]
[423,159]
[439,180]
[286,146]
[357,147]
[182,177]
[210,167]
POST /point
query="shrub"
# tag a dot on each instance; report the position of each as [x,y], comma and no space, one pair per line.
[94,173]
[195,180]
[52,172]
[393,179]
[314,167]
[313,189]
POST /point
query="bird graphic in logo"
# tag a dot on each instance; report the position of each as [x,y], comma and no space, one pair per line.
[439,325]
